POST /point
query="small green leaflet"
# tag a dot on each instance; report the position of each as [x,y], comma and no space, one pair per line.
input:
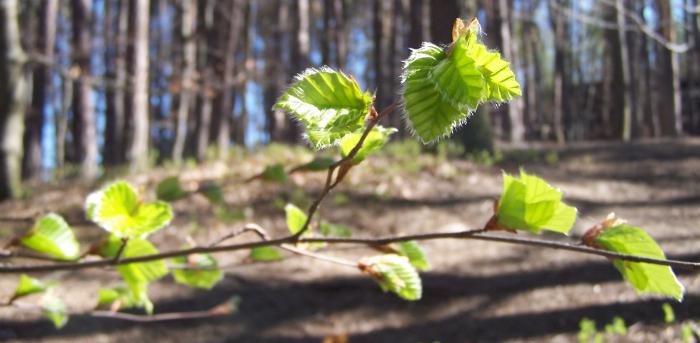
[375,140]
[644,277]
[296,218]
[117,209]
[335,230]
[429,115]
[27,286]
[170,189]
[265,254]
[317,164]
[274,173]
[669,314]
[202,272]
[501,84]
[394,274]
[530,204]
[55,310]
[415,254]
[117,298]
[137,275]
[51,235]
[329,103]
[212,192]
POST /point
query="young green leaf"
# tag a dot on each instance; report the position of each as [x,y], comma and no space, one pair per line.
[27,286]
[170,189]
[335,230]
[644,277]
[54,309]
[329,103]
[296,218]
[375,140]
[669,314]
[530,204]
[265,254]
[274,173]
[202,271]
[212,192]
[317,164]
[117,298]
[415,254]
[137,275]
[51,235]
[394,274]
[117,209]
[501,84]
[616,327]
[429,115]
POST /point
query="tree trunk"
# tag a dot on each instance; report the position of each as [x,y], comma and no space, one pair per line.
[84,129]
[139,109]
[383,51]
[14,93]
[625,71]
[206,93]
[341,34]
[669,75]
[558,23]
[41,84]
[115,61]
[510,53]
[189,18]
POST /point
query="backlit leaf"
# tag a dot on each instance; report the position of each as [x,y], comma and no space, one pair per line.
[27,286]
[51,235]
[375,140]
[202,271]
[530,204]
[55,310]
[415,254]
[117,298]
[394,274]
[118,209]
[265,254]
[274,173]
[296,218]
[329,104]
[644,277]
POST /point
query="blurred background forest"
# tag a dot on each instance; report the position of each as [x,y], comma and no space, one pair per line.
[87,84]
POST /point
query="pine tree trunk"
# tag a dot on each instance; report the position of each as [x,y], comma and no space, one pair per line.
[84,129]
[669,75]
[510,53]
[557,22]
[41,84]
[115,61]
[14,93]
[189,18]
[139,109]
[625,71]
[235,28]
[206,93]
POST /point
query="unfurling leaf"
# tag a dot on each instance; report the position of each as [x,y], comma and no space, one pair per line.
[170,189]
[394,274]
[530,204]
[296,218]
[329,104]
[375,140]
[265,254]
[117,298]
[198,270]
[137,275]
[54,309]
[415,254]
[51,235]
[443,86]
[644,277]
[118,209]
[27,286]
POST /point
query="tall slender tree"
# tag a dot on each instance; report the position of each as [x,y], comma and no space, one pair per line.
[116,36]
[188,19]
[138,147]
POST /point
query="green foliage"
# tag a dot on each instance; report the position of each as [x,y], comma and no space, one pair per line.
[394,274]
[335,230]
[54,309]
[442,86]
[274,173]
[27,286]
[317,164]
[616,327]
[265,254]
[118,209]
[587,332]
[644,277]
[137,275]
[669,314]
[117,298]
[170,189]
[329,103]
[296,218]
[228,215]
[51,235]
[212,192]
[415,254]
[375,140]
[202,271]
[530,204]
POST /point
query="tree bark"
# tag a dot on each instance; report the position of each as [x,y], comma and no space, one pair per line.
[41,85]
[558,23]
[625,71]
[84,129]
[115,61]
[14,93]
[189,18]
[383,24]
[206,74]
[139,109]
[510,53]
[669,75]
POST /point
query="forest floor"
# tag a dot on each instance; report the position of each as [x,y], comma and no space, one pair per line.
[476,291]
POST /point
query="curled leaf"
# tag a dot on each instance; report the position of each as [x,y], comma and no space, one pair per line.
[394,274]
